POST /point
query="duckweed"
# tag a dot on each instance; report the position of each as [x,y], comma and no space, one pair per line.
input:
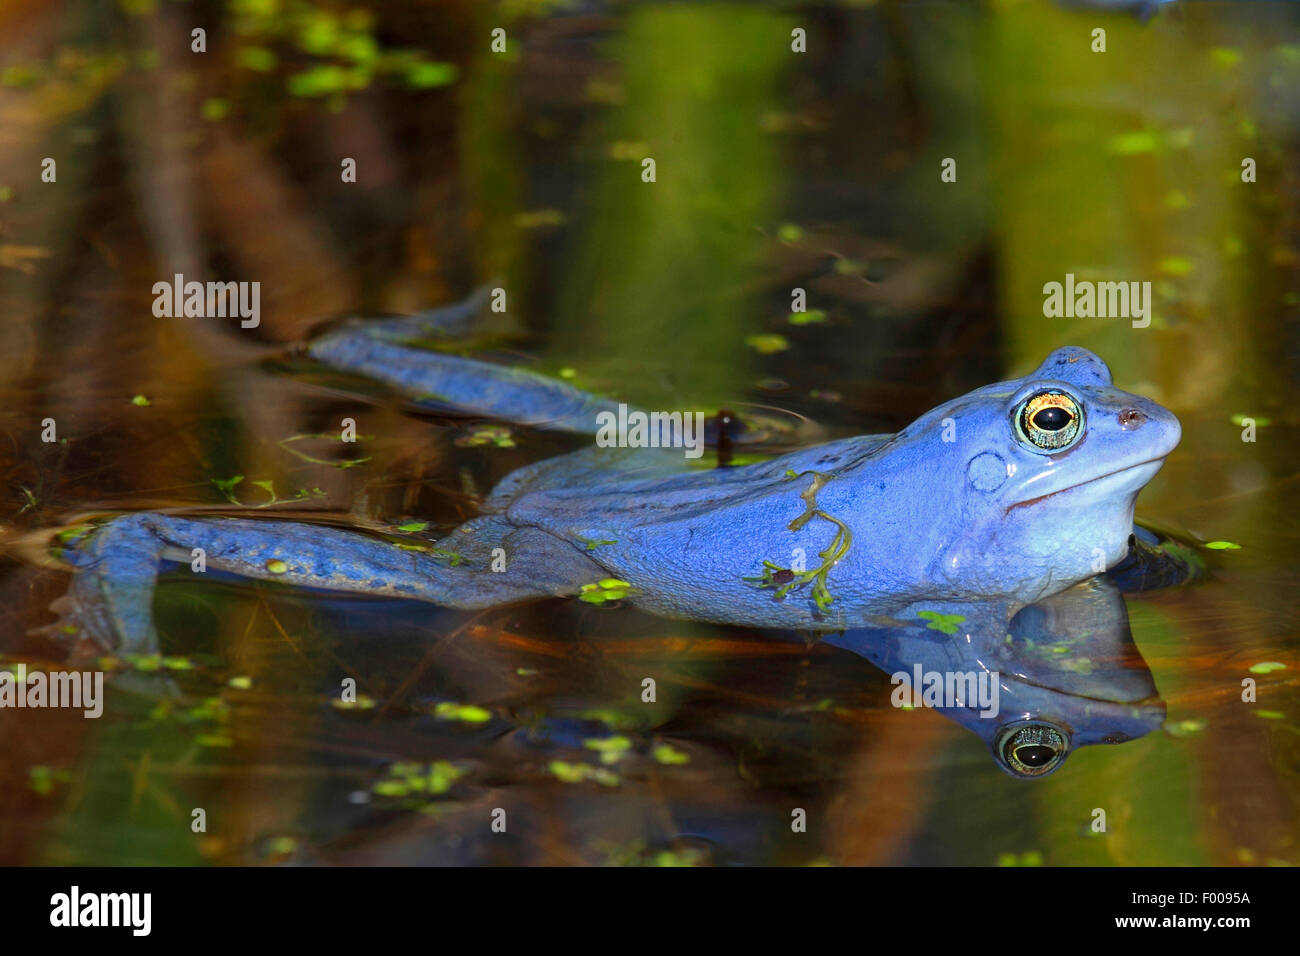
[465,713]
[606,589]
[947,623]
[567,772]
[669,755]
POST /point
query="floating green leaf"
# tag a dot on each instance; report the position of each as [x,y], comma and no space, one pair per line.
[1266,667]
[425,75]
[1186,727]
[1260,421]
[947,623]
[606,589]
[669,755]
[465,713]
[361,703]
[578,772]
[767,344]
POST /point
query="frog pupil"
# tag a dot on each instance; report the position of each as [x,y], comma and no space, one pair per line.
[1052,419]
[1034,756]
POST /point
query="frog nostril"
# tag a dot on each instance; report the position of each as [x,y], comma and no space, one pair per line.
[1131,418]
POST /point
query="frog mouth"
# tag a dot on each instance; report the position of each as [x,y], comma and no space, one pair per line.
[1127,469]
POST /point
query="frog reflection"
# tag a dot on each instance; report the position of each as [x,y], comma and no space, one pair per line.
[1063,672]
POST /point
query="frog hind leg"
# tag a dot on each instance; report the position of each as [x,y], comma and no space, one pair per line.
[381,350]
[392,351]
[468,386]
[110,600]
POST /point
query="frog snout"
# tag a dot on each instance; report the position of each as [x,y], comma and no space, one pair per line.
[1154,425]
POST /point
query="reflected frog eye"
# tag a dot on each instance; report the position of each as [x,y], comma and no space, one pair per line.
[1049,421]
[1031,749]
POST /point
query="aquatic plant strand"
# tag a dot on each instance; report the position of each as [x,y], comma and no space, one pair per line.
[836,550]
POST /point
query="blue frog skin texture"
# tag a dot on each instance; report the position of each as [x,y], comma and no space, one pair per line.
[1013,492]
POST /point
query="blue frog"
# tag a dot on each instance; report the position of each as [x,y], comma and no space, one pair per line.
[1011,493]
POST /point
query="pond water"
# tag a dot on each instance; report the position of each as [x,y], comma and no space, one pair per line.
[774,170]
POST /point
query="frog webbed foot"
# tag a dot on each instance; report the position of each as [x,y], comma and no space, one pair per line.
[108,606]
[484,563]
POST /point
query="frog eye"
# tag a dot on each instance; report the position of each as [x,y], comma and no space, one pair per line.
[1031,749]
[1049,421]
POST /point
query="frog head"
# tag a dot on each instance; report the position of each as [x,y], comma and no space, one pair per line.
[1039,476]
